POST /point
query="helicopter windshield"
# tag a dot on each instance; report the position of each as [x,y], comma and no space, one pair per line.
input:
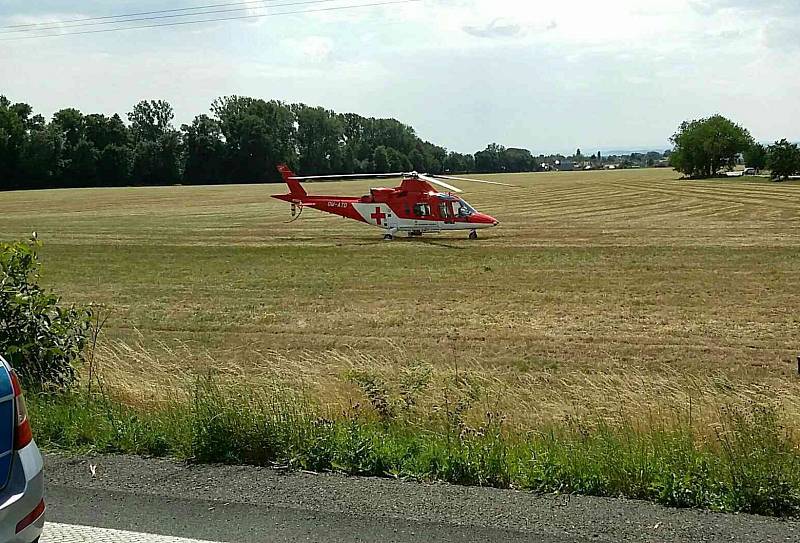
[463,209]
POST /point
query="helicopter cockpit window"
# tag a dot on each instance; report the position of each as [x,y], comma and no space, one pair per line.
[422,210]
[463,209]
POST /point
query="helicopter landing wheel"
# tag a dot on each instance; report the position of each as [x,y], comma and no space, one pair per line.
[415,234]
[388,237]
[473,234]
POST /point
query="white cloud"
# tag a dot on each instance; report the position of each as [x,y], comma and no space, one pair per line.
[506,28]
[498,28]
[312,48]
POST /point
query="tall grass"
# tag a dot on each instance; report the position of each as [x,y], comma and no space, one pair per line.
[750,465]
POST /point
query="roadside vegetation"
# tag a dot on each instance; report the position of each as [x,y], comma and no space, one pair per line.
[749,465]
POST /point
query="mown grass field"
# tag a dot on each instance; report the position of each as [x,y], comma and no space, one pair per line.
[628,293]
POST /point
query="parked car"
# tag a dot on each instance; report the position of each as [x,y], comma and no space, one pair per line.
[21,476]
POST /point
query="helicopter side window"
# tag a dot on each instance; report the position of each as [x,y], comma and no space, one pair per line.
[422,210]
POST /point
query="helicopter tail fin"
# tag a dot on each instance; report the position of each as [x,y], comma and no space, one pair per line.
[295,187]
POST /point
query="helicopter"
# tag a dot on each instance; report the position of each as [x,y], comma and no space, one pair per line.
[415,207]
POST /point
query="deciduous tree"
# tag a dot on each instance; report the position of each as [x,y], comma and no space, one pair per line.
[783,159]
[704,146]
[380,160]
[320,140]
[489,160]
[258,135]
[417,160]
[114,165]
[756,157]
[41,161]
[150,119]
[398,162]
[12,139]
[204,151]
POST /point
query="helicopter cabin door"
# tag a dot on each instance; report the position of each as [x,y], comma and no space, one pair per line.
[392,221]
[446,212]
[424,218]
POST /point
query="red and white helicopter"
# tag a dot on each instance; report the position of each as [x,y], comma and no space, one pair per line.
[415,207]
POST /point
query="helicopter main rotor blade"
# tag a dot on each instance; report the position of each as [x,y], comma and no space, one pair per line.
[472,180]
[348,176]
[435,181]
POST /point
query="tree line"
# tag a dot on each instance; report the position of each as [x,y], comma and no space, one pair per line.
[705,147]
[241,141]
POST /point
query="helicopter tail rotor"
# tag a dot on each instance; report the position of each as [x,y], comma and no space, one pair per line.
[296,210]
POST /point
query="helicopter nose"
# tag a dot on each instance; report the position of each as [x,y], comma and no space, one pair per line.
[482,218]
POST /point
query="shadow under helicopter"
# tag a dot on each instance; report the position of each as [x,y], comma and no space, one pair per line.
[454,244]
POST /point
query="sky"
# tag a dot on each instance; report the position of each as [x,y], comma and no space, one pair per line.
[546,75]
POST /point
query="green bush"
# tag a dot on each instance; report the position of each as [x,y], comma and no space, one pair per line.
[43,340]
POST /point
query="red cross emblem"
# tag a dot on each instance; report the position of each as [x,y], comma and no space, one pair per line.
[378,216]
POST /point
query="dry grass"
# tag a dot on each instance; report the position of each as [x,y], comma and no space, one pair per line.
[613,293]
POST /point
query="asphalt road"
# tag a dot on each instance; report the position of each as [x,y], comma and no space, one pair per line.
[243,504]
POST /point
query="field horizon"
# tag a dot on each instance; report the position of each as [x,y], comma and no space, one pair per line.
[628,293]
